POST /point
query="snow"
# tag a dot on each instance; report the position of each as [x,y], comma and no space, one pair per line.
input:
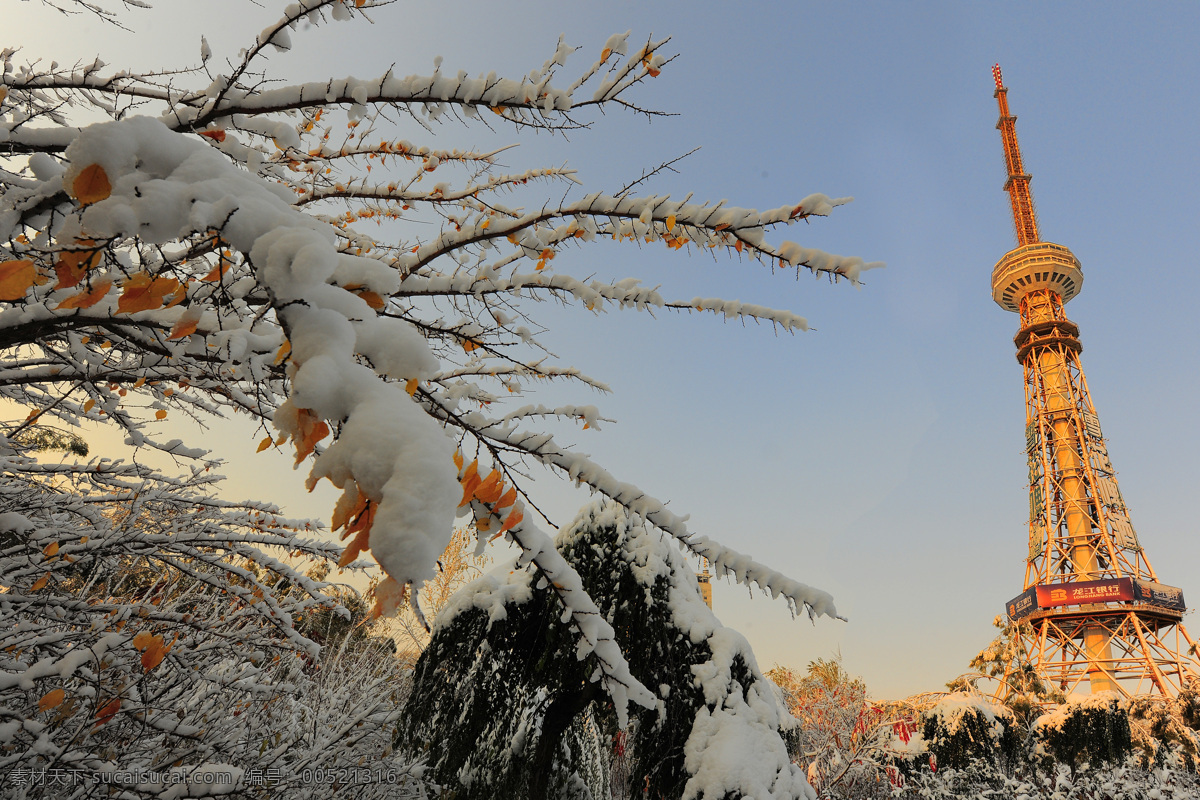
[952,709]
[726,753]
[734,747]
[17,523]
[165,186]
[493,592]
[1057,716]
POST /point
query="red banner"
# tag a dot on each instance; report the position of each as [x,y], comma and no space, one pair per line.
[1084,592]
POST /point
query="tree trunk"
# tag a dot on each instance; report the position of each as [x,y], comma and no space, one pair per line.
[562,710]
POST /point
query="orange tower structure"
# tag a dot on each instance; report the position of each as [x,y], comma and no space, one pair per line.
[1093,608]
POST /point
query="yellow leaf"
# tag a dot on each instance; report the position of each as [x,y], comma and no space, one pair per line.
[143,292]
[348,506]
[70,269]
[513,518]
[184,327]
[15,279]
[51,699]
[284,349]
[217,271]
[108,711]
[312,430]
[160,414]
[178,296]
[604,54]
[154,654]
[357,545]
[374,300]
[507,499]
[50,550]
[88,405]
[671,222]
[263,445]
[490,489]
[87,299]
[389,594]
[143,640]
[40,583]
[458,459]
[410,386]
[91,185]
[470,480]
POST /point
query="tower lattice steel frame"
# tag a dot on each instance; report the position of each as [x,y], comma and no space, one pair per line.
[1093,608]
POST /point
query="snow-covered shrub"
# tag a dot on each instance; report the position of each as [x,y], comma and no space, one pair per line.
[1091,729]
[1127,781]
[966,729]
[1160,733]
[145,626]
[504,706]
[846,742]
[1037,771]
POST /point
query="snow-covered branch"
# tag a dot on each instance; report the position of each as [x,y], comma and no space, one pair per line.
[281,250]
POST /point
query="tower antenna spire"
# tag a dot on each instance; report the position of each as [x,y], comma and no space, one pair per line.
[1017,185]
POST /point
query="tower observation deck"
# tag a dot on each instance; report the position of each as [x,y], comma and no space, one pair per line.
[1092,608]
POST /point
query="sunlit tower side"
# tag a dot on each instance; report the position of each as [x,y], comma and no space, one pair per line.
[704,582]
[1092,608]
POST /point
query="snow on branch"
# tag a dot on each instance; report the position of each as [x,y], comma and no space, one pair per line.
[282,251]
[503,435]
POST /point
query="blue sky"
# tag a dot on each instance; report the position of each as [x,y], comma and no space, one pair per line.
[879,457]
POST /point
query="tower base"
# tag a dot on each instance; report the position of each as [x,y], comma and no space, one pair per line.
[1147,650]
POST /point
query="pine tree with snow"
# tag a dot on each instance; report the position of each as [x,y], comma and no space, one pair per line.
[503,707]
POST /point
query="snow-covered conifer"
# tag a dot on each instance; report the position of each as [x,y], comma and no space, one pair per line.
[510,710]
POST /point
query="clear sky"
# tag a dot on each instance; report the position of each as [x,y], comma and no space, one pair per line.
[879,457]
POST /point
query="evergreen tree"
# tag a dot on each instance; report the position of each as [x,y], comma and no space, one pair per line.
[516,712]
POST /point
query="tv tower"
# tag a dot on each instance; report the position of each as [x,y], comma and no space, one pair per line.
[1093,609]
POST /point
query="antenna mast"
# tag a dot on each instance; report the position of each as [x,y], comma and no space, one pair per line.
[1017,185]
